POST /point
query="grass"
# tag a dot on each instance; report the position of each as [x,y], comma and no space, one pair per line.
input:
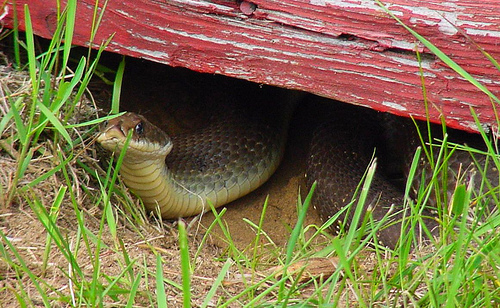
[98,248]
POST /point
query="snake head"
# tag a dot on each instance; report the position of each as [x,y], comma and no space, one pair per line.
[147,141]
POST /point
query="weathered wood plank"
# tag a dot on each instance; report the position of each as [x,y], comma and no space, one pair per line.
[349,50]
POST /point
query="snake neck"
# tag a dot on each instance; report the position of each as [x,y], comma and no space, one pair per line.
[159,190]
[146,178]
[142,174]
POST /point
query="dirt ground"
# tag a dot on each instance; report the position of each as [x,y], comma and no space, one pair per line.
[164,95]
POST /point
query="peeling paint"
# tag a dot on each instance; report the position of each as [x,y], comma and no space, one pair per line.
[318,2]
[447,24]
[154,39]
[393,105]
[412,62]
[483,32]
[406,45]
[154,54]
[333,48]
[359,4]
[471,126]
[124,13]
[445,19]
[448,20]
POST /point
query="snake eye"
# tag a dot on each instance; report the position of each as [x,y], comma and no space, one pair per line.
[139,128]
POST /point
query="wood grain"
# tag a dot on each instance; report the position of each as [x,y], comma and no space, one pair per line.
[349,50]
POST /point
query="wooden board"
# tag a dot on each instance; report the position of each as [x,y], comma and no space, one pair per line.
[349,50]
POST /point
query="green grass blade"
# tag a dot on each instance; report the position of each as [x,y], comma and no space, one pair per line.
[30,44]
[66,89]
[16,40]
[20,127]
[8,116]
[217,283]
[46,175]
[21,264]
[258,234]
[112,289]
[69,30]
[55,121]
[133,291]
[117,86]
[185,264]
[95,121]
[54,212]
[294,236]
[110,219]
[357,217]
[298,226]
[161,295]
[54,232]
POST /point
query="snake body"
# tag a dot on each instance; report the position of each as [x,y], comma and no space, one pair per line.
[341,150]
[178,175]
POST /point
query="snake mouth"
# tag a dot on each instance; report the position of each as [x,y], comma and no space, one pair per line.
[112,138]
[154,145]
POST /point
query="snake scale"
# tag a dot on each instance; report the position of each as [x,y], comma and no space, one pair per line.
[342,149]
[233,156]
[180,174]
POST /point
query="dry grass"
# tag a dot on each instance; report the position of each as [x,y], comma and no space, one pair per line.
[26,232]
[139,239]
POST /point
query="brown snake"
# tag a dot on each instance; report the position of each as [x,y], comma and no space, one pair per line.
[341,150]
[178,175]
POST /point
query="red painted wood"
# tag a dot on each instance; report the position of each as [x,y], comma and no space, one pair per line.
[349,50]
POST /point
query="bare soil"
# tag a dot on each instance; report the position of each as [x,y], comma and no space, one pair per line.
[171,98]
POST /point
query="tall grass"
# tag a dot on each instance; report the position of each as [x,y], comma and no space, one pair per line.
[42,122]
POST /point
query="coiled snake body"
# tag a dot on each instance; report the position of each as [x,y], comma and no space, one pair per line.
[230,158]
[180,174]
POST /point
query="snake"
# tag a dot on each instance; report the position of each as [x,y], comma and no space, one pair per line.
[341,150]
[189,173]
